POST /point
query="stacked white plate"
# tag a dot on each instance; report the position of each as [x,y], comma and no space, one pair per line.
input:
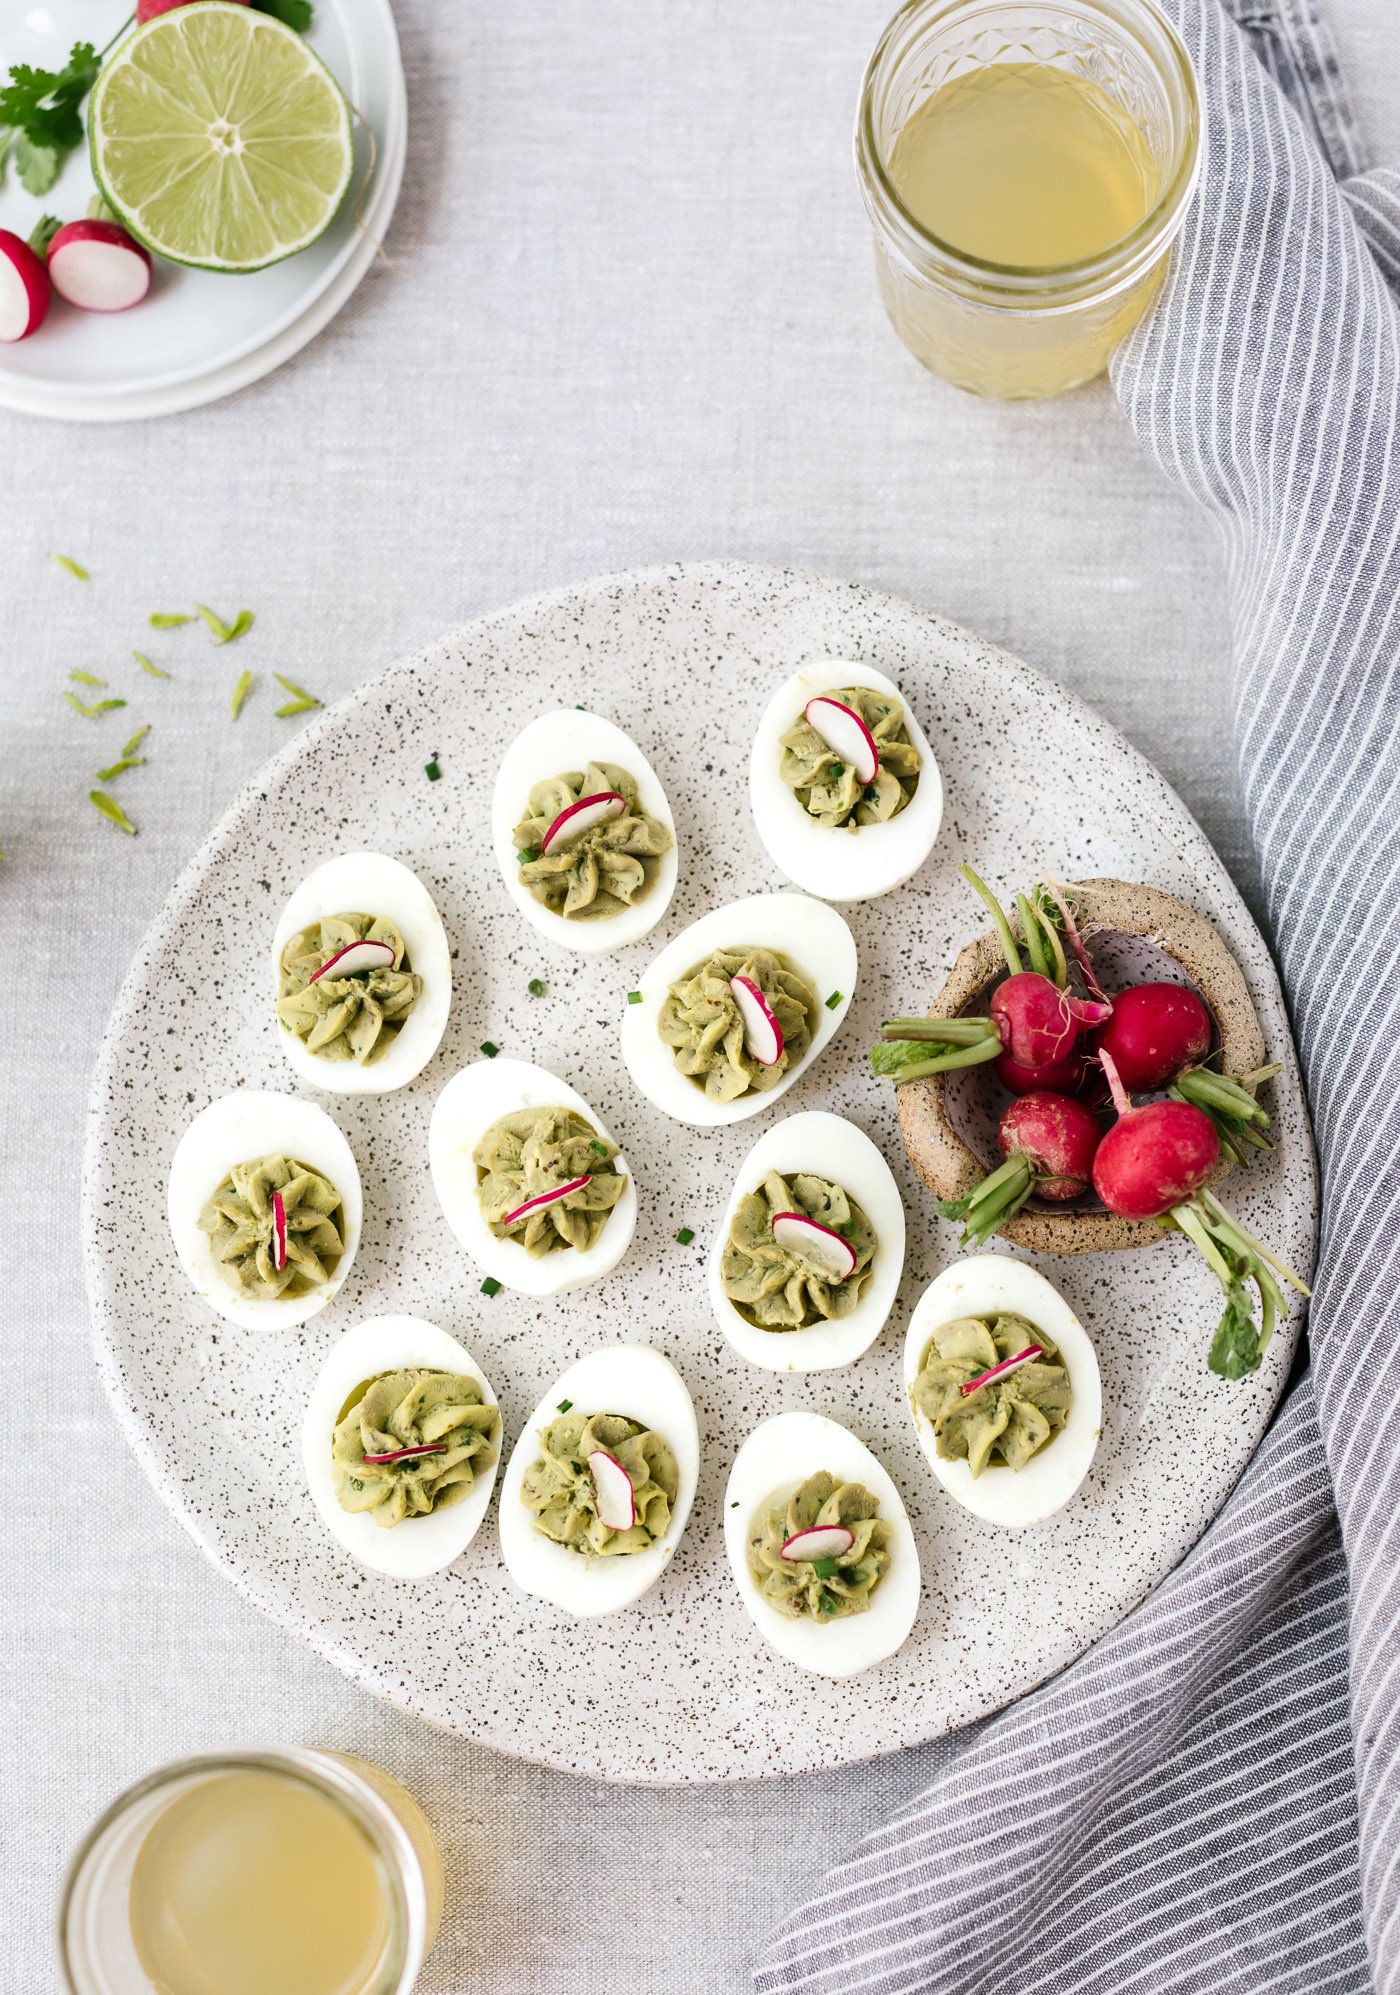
[200,335]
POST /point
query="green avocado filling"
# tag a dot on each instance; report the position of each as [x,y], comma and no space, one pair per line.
[776,1288]
[239,1221]
[828,788]
[597,874]
[532,1153]
[700,1020]
[1010,1419]
[825,1589]
[345,1018]
[411,1409]
[560,1491]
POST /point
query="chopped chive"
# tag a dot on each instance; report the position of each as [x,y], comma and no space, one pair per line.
[834,1000]
[735,1504]
[564,1406]
[112,810]
[71,567]
[167,620]
[91,713]
[579,707]
[490,1286]
[825,1568]
[601,1148]
[221,632]
[686,1235]
[144,662]
[826,1605]
[137,739]
[528,855]
[85,678]
[126,762]
[536,987]
[432,771]
[241,692]
[489,1049]
[838,770]
[294,706]
[634,997]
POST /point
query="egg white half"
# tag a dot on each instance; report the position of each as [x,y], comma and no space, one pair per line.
[571,738]
[473,1099]
[641,1384]
[416,1546]
[981,1286]
[815,940]
[834,1149]
[779,1455]
[237,1129]
[372,883]
[838,863]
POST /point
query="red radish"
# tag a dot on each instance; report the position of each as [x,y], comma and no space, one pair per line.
[1039,1023]
[997,1371]
[846,735]
[279,1231]
[580,817]
[612,1491]
[355,958]
[821,1541]
[545,1198]
[796,1234]
[1049,1142]
[1154,1157]
[25,289]
[146,10]
[763,1036]
[408,1454]
[98,267]
[1156,1031]
[1060,1077]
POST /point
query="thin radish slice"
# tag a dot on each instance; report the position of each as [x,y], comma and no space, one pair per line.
[279,1231]
[846,735]
[795,1233]
[355,958]
[580,817]
[612,1487]
[822,1541]
[25,290]
[98,267]
[408,1454]
[545,1198]
[999,1371]
[763,1036]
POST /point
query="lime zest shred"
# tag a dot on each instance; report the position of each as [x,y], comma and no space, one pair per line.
[97,707]
[112,811]
[167,620]
[241,692]
[225,633]
[144,662]
[86,678]
[137,739]
[126,762]
[294,707]
[298,692]
[71,567]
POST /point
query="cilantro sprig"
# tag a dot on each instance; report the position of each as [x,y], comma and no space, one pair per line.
[40,121]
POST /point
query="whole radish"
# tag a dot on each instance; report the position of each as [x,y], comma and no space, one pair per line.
[1159,1037]
[25,290]
[97,266]
[1153,1164]
[1060,1077]
[1049,1142]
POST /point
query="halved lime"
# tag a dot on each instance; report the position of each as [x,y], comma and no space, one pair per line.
[219,138]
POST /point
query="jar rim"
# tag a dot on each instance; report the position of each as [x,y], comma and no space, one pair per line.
[1119,262]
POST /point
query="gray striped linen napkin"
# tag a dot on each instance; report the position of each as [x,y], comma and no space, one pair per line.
[1209,1800]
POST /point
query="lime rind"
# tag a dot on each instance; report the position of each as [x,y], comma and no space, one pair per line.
[220,138]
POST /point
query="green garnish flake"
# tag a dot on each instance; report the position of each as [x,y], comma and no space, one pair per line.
[686,1235]
[137,739]
[825,1568]
[601,1148]
[528,855]
[536,987]
[735,1504]
[564,1406]
[225,633]
[112,811]
[297,692]
[71,567]
[167,620]
[152,671]
[826,1604]
[86,678]
[432,771]
[354,1482]
[489,1049]
[127,762]
[97,707]
[241,692]
[490,1286]
[834,1000]
[634,997]
[838,769]
[294,706]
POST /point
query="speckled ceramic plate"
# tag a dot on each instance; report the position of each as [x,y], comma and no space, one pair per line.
[680,1687]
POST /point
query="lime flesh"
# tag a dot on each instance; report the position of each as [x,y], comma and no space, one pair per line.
[219,138]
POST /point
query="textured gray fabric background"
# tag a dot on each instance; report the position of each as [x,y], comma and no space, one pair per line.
[633,320]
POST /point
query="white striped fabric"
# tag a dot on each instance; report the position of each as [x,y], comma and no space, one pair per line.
[1210,1799]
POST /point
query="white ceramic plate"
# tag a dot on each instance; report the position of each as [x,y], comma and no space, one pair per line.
[199,335]
[1001,1610]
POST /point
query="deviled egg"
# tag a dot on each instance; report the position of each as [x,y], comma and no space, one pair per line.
[809,1251]
[265,1208]
[845,790]
[361,975]
[597,1490]
[728,1015]
[821,1548]
[1004,1389]
[583,833]
[532,1183]
[401,1443]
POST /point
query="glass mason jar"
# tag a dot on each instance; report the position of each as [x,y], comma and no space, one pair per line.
[1022,331]
[95,1941]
